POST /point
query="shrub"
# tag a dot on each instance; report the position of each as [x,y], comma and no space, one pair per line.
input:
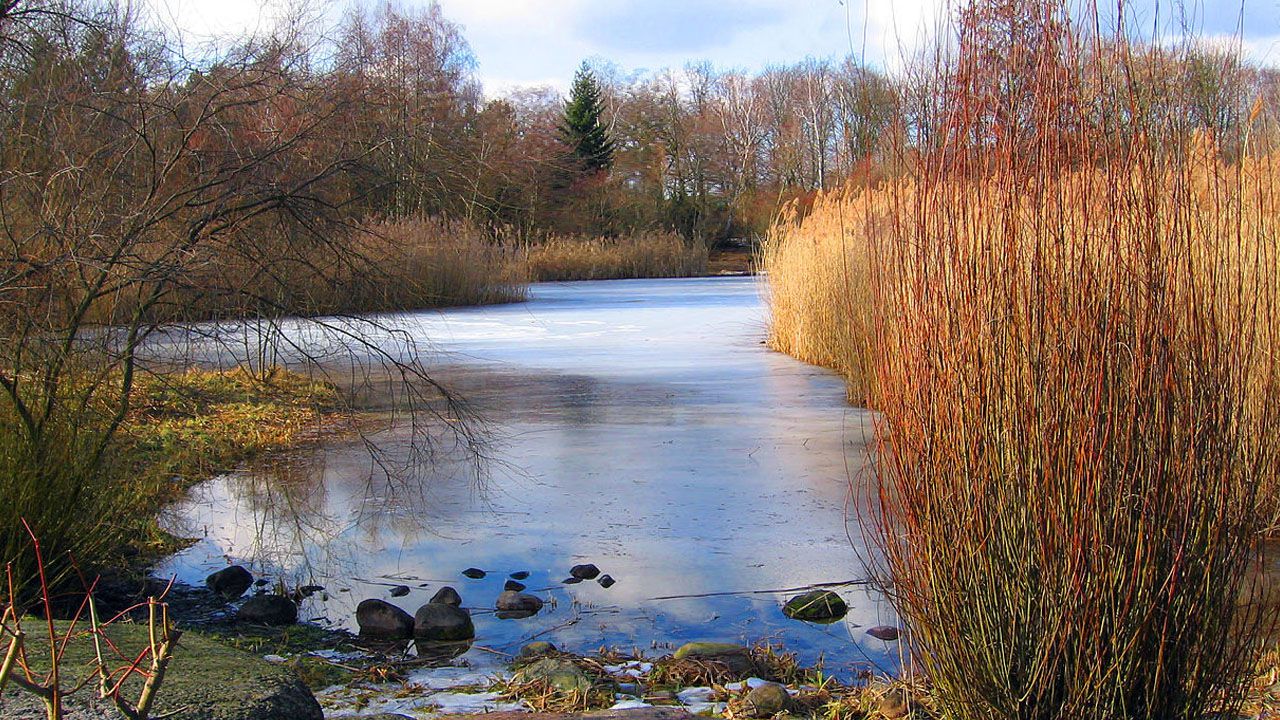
[1072,329]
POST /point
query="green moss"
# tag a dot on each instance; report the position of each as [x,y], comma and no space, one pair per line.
[206,679]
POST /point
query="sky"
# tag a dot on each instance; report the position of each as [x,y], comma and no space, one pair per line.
[541,42]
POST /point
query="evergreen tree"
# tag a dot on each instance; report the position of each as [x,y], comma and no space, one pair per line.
[581,129]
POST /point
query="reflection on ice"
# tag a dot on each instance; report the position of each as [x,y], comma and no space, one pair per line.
[642,426]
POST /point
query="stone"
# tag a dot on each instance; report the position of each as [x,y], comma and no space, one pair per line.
[447,596]
[399,591]
[584,572]
[735,657]
[441,622]
[513,586]
[307,591]
[571,580]
[558,673]
[893,705]
[380,619]
[606,581]
[230,583]
[268,610]
[519,575]
[816,606]
[438,654]
[535,649]
[642,713]
[512,601]
[474,573]
[887,633]
[766,700]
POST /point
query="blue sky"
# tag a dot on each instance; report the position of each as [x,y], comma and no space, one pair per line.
[541,42]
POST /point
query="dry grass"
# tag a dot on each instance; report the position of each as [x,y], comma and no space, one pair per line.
[651,255]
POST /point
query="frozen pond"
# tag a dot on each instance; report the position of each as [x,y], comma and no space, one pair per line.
[639,425]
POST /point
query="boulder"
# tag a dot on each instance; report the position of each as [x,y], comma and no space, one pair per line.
[558,673]
[538,648]
[230,582]
[735,657]
[816,606]
[206,680]
[400,591]
[766,700]
[571,580]
[441,622]
[884,632]
[447,596]
[513,586]
[439,654]
[519,575]
[380,619]
[268,610]
[511,601]
[474,573]
[584,572]
[606,581]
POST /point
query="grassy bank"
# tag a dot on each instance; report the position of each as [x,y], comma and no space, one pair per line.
[91,496]
[648,255]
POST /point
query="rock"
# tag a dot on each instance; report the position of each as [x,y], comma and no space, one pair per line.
[268,610]
[447,596]
[887,633]
[816,606]
[513,586]
[558,673]
[571,581]
[206,680]
[735,657]
[230,582]
[606,581]
[400,591]
[438,654]
[584,572]
[474,573]
[642,713]
[518,601]
[438,621]
[766,700]
[307,591]
[536,649]
[893,705]
[519,575]
[380,619]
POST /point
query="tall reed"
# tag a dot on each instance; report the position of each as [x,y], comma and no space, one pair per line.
[643,255]
[818,287]
[1072,343]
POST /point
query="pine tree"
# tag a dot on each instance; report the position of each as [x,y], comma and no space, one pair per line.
[581,129]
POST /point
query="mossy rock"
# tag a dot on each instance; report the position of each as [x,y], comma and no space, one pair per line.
[206,680]
[561,674]
[820,606]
